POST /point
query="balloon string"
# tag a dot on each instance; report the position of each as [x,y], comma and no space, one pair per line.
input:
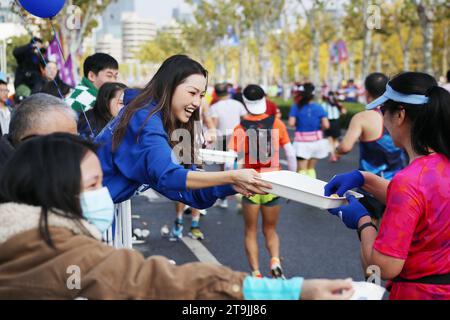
[62,55]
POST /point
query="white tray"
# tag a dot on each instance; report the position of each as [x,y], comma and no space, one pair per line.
[216,156]
[304,189]
[367,291]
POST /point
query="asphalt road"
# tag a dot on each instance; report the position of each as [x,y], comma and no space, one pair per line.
[314,244]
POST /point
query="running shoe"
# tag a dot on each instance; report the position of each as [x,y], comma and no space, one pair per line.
[177,231]
[224,204]
[257,274]
[311,173]
[196,234]
[277,272]
[275,269]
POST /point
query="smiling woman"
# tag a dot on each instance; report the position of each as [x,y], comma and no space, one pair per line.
[137,147]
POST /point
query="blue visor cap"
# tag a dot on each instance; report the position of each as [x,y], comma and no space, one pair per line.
[391,94]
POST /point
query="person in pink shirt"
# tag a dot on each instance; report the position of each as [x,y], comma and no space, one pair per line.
[412,247]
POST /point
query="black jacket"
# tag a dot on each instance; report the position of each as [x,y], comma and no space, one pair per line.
[28,61]
[6,150]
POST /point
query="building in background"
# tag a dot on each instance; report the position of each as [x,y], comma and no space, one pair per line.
[10,26]
[135,32]
[173,28]
[111,18]
[6,15]
[110,45]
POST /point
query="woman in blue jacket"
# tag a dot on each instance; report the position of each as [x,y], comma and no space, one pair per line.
[136,148]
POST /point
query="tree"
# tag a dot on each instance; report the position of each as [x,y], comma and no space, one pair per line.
[13,43]
[157,50]
[73,24]
[315,19]
[405,21]
[261,17]
[212,20]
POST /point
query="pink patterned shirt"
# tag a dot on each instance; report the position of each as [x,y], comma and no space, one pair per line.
[416,226]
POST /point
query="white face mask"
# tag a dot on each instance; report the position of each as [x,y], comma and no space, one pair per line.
[98,208]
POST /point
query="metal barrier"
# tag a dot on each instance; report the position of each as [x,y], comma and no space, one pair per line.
[120,234]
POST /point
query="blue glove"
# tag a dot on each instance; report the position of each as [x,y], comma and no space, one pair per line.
[344,182]
[350,214]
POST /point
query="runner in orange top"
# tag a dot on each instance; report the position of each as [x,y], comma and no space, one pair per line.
[257,140]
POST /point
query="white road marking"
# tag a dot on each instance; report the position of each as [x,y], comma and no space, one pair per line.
[200,251]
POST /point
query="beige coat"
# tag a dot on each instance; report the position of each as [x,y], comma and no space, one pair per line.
[29,269]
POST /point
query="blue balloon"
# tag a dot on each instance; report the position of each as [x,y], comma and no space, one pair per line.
[43,8]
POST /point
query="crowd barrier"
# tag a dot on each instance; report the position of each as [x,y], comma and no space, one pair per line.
[120,235]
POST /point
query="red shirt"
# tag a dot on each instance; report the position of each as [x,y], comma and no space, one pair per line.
[416,226]
[271,108]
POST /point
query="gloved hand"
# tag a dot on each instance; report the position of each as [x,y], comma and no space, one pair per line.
[350,214]
[344,182]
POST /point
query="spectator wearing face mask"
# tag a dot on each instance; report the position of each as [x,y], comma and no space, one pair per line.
[50,222]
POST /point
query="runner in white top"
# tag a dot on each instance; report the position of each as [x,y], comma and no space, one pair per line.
[226,114]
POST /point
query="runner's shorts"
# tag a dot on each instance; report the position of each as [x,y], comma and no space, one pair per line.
[268,200]
[312,150]
[335,129]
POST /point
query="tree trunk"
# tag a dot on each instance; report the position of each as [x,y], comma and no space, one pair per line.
[406,58]
[241,54]
[445,52]
[378,63]
[260,45]
[225,64]
[367,44]
[426,23]
[283,56]
[315,26]
[351,61]
[316,56]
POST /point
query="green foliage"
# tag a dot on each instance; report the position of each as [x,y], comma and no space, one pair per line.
[164,45]
[14,42]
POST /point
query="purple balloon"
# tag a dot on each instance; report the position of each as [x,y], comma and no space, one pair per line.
[43,8]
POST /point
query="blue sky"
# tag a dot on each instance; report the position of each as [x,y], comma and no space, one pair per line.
[160,11]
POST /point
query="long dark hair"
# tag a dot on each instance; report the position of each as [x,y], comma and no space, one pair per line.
[160,89]
[51,180]
[430,122]
[101,111]
[304,97]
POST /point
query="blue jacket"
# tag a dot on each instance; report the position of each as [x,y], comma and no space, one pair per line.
[148,161]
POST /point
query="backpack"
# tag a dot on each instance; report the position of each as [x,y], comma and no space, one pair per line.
[260,144]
